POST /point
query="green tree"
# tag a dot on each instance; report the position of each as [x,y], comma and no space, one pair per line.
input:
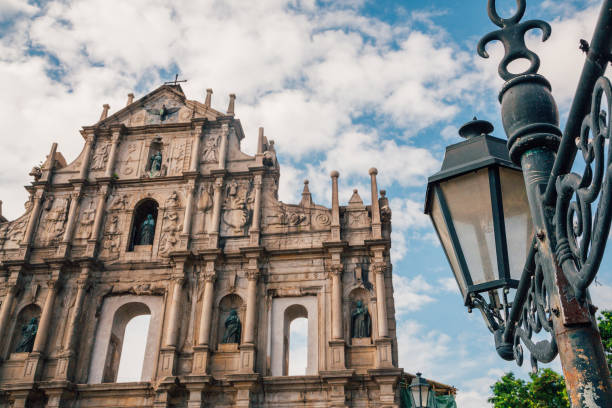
[545,390]
[605,329]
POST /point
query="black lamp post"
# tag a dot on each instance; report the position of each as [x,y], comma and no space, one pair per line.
[518,226]
[419,392]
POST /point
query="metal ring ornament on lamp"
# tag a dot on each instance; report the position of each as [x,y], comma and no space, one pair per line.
[580,247]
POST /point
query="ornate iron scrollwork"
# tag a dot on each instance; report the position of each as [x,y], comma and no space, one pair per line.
[581,238]
[512,36]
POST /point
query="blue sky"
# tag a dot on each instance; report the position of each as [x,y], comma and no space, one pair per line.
[344,85]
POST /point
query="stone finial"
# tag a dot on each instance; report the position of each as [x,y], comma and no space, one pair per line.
[130,99]
[355,199]
[335,221]
[105,109]
[0,208]
[230,107]
[376,228]
[334,174]
[306,196]
[373,171]
[260,141]
[208,97]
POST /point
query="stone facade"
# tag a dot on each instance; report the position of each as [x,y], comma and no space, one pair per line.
[81,263]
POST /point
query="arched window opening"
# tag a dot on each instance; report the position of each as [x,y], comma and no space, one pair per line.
[26,328]
[295,341]
[133,350]
[144,223]
[126,348]
[298,346]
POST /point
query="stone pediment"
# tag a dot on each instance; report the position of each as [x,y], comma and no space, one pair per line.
[167,104]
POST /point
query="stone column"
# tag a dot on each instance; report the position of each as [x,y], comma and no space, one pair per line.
[213,230]
[5,311]
[34,216]
[381,301]
[45,320]
[223,146]
[175,309]
[376,226]
[337,317]
[195,151]
[86,157]
[75,199]
[189,208]
[255,226]
[200,358]
[110,165]
[207,303]
[97,225]
[251,310]
[66,361]
[335,222]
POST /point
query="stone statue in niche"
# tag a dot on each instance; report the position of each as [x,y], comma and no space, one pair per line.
[361,324]
[28,334]
[98,161]
[147,231]
[233,328]
[211,149]
[155,164]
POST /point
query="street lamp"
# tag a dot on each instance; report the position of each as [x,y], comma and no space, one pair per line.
[478,205]
[517,224]
[419,392]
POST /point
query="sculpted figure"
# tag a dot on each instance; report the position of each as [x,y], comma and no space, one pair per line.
[99,158]
[361,322]
[28,334]
[156,163]
[147,231]
[210,150]
[233,328]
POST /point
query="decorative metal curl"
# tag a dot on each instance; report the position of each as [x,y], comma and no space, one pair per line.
[512,36]
[581,238]
[534,318]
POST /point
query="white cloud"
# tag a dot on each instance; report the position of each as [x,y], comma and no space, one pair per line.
[411,295]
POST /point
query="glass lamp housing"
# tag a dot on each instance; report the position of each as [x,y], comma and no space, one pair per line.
[478,205]
[419,390]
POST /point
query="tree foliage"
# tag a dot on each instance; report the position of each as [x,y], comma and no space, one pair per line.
[605,329]
[546,389]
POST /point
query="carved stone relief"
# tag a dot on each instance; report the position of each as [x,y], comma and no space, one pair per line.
[130,163]
[178,158]
[87,219]
[211,149]
[54,219]
[170,230]
[112,237]
[100,157]
[237,207]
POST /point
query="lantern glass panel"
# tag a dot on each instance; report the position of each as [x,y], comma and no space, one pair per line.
[438,221]
[420,394]
[517,219]
[469,202]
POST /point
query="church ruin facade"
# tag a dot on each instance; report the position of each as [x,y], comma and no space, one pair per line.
[163,215]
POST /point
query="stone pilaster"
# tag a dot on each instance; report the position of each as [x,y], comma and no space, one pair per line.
[168,355]
[188,219]
[335,221]
[7,306]
[97,226]
[75,201]
[201,350]
[376,225]
[223,146]
[254,231]
[112,157]
[67,359]
[195,151]
[84,169]
[216,215]
[39,196]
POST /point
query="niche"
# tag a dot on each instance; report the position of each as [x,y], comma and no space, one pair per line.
[25,330]
[155,166]
[144,224]
[360,317]
[226,305]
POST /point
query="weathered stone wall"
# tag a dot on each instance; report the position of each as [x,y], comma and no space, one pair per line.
[78,263]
